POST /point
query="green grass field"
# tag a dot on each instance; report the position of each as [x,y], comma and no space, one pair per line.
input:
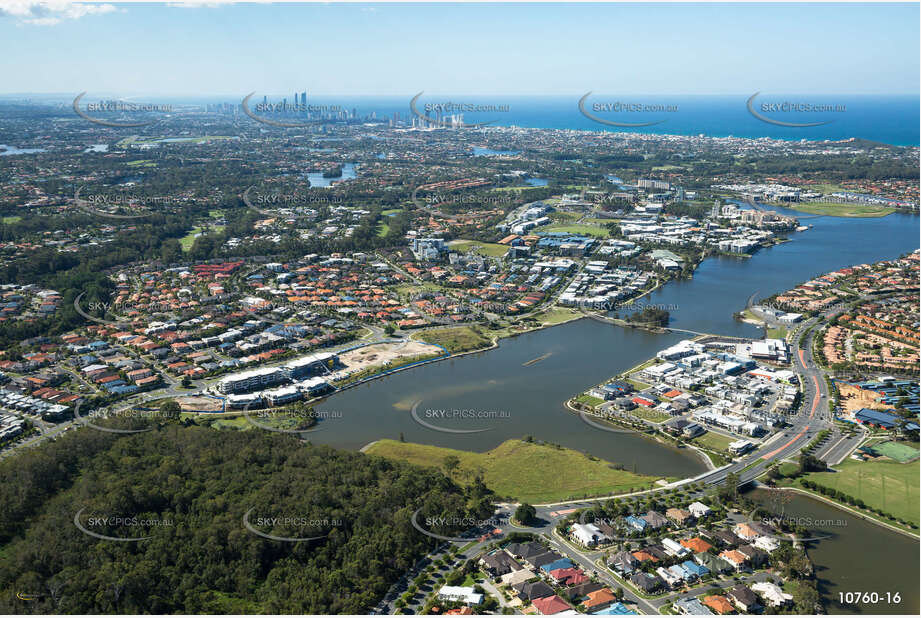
[841,210]
[482,248]
[589,400]
[557,315]
[563,216]
[12,219]
[892,487]
[711,440]
[897,451]
[587,230]
[650,414]
[189,239]
[522,470]
[454,340]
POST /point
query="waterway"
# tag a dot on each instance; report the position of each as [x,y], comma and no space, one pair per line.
[6,150]
[522,399]
[585,353]
[857,556]
[722,285]
[318,181]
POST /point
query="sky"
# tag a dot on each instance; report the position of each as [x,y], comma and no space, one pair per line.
[474,49]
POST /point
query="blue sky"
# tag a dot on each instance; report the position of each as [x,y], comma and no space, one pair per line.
[400,49]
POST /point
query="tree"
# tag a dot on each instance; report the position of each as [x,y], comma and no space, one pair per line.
[170,409]
[525,513]
[729,490]
[450,463]
[390,329]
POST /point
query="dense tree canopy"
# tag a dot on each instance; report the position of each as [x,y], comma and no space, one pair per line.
[199,484]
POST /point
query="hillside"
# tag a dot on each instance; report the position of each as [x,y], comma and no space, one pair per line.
[188,489]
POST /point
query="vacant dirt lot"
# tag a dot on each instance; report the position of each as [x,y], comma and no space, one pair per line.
[853,398]
[198,404]
[380,353]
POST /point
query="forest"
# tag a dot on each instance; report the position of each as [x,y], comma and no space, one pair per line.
[187,490]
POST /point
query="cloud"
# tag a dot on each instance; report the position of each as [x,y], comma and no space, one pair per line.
[50,12]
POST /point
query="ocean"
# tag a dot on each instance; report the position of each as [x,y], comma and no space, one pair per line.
[887,119]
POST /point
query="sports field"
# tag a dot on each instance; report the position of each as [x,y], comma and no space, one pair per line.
[890,486]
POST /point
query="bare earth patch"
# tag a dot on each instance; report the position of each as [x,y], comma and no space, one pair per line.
[380,353]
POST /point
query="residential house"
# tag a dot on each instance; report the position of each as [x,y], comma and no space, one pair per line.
[550,605]
[756,557]
[526,551]
[581,590]
[517,577]
[674,548]
[616,609]
[646,582]
[671,578]
[714,563]
[545,558]
[735,558]
[697,545]
[568,577]
[766,543]
[772,594]
[462,594]
[694,569]
[746,531]
[691,607]
[499,563]
[679,516]
[624,563]
[718,603]
[699,509]
[724,538]
[598,599]
[588,535]
[655,520]
[528,591]
[745,599]
[561,563]
[636,523]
